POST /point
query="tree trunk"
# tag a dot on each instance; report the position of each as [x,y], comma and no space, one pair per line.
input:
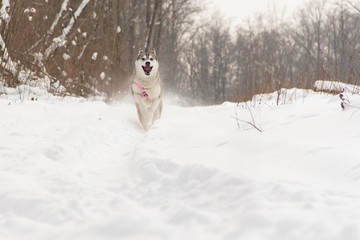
[150,37]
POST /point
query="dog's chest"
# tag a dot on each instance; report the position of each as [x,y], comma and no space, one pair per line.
[152,93]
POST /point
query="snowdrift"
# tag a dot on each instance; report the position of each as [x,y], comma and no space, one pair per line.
[335,87]
[79,169]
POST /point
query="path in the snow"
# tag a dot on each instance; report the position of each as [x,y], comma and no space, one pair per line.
[86,170]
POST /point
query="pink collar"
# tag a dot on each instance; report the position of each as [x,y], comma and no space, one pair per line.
[142,90]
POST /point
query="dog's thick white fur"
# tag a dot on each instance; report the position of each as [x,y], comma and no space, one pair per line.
[146,88]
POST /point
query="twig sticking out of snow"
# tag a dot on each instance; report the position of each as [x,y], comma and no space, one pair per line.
[344,101]
[251,123]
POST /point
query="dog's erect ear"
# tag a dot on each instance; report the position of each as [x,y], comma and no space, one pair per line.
[141,52]
[153,51]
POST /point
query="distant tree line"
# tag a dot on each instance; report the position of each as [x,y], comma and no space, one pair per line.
[88,47]
[272,52]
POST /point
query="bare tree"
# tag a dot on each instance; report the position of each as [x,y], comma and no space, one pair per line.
[87,47]
[149,43]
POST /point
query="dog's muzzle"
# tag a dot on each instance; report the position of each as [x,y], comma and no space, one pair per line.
[147,68]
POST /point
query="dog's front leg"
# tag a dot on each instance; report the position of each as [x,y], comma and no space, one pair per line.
[141,114]
[142,111]
[144,122]
[153,113]
[147,113]
[157,112]
[144,118]
[147,116]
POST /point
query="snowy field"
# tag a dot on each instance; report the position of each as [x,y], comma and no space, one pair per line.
[81,169]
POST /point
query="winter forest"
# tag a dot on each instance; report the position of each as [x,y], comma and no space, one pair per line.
[88,47]
[258,136]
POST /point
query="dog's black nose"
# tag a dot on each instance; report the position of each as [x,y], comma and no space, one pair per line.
[147,63]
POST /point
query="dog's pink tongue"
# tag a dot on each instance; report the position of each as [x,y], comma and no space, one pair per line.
[147,68]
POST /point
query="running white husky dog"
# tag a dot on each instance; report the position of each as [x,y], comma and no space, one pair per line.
[146,88]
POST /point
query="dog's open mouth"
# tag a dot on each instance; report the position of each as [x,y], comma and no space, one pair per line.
[147,69]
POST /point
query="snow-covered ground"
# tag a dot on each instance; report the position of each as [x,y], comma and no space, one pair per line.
[81,169]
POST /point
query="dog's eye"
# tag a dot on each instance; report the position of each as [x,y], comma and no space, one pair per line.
[151,59]
[143,59]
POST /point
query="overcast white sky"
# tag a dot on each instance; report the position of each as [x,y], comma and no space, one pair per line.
[242,9]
